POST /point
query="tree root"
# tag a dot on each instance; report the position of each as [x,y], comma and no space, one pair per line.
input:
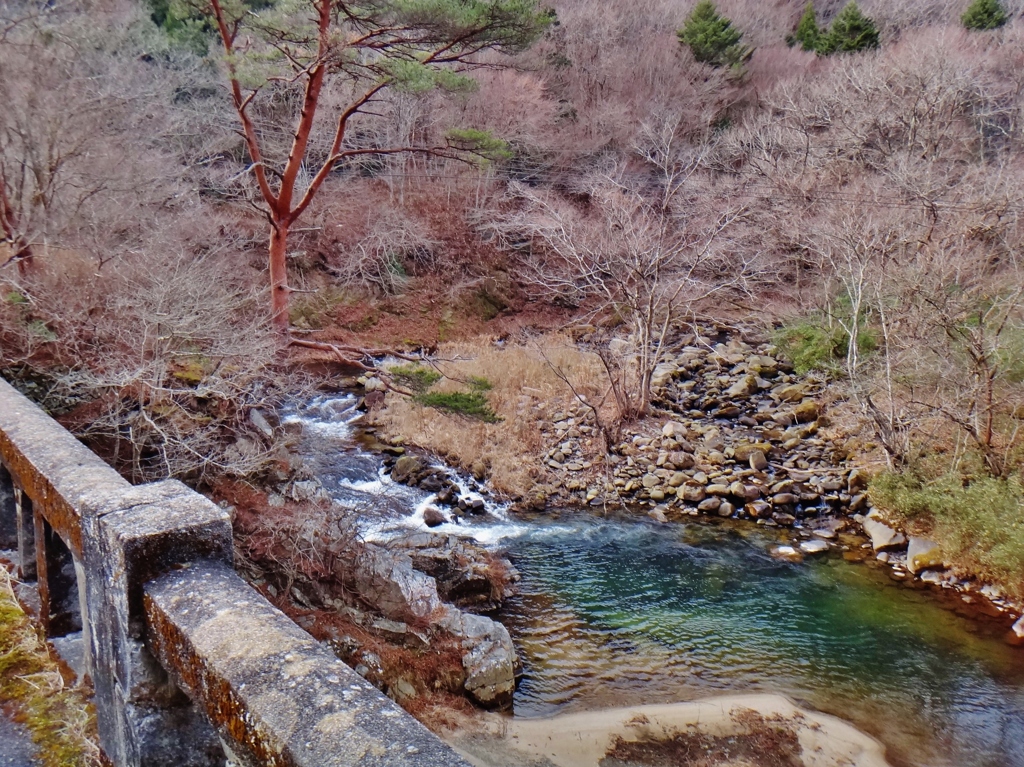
[361,358]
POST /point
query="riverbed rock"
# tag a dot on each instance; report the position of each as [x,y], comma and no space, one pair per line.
[744,387]
[709,504]
[432,517]
[857,481]
[923,554]
[691,492]
[792,393]
[662,375]
[882,536]
[406,468]
[1016,633]
[726,509]
[260,422]
[806,411]
[814,547]
[681,460]
[758,509]
[758,461]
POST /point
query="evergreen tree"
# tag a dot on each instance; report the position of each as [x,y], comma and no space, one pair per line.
[712,37]
[984,14]
[807,32]
[851,31]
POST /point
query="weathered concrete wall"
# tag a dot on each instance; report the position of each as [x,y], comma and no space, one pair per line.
[151,569]
[269,686]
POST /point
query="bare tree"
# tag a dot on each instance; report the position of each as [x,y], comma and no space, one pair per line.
[639,249]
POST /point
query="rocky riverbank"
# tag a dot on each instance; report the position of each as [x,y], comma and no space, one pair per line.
[738,435]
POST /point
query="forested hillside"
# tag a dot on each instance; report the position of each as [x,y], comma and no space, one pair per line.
[851,180]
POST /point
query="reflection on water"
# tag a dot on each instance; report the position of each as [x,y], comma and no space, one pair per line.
[624,612]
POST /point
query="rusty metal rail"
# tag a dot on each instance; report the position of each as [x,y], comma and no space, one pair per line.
[146,574]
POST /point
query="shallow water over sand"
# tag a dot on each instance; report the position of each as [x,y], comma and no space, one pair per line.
[624,612]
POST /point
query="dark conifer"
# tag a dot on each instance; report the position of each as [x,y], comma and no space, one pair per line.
[851,31]
[712,37]
[984,14]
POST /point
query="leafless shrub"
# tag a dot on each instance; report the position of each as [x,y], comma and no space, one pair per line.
[381,259]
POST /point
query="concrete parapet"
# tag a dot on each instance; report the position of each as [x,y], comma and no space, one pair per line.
[145,572]
[276,695]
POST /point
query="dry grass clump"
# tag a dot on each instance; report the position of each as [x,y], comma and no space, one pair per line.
[59,719]
[526,387]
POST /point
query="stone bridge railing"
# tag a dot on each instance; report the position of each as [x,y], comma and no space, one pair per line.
[145,573]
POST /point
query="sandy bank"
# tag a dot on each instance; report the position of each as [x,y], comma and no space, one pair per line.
[582,739]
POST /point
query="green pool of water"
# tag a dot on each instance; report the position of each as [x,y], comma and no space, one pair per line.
[621,612]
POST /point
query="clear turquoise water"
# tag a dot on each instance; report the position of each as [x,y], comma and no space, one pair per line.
[616,613]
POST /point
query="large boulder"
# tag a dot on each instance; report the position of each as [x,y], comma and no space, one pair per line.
[389,582]
[490,659]
[432,517]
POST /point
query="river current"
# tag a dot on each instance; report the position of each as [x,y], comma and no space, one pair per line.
[623,611]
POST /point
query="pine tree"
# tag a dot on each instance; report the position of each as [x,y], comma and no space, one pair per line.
[712,37]
[851,31]
[984,14]
[807,32]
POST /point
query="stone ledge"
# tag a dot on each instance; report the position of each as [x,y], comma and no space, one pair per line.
[60,474]
[274,692]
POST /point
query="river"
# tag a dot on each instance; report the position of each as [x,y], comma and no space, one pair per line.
[623,611]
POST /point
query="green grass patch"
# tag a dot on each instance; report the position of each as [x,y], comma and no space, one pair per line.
[472,404]
[479,383]
[978,524]
[813,345]
[417,378]
[57,718]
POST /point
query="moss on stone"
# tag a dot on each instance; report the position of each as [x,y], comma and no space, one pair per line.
[59,719]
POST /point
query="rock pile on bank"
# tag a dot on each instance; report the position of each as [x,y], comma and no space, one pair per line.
[744,440]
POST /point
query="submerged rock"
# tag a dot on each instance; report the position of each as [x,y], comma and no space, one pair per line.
[814,547]
[787,554]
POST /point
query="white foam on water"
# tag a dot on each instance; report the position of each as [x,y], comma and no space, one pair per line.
[329,417]
[369,486]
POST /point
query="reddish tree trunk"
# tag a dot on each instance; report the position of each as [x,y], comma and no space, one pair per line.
[279,279]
